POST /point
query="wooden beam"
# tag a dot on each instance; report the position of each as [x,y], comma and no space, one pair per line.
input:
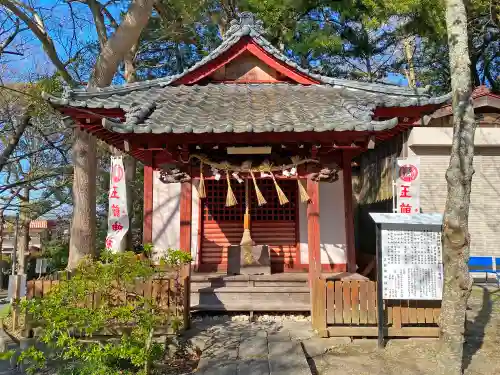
[348,212]
[318,307]
[390,331]
[160,140]
[313,235]
[185,216]
[147,234]
[414,111]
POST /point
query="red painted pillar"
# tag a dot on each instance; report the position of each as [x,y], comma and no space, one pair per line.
[186,208]
[185,216]
[147,232]
[313,236]
[348,211]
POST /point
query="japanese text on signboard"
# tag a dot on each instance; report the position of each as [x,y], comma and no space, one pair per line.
[408,186]
[118,222]
[412,262]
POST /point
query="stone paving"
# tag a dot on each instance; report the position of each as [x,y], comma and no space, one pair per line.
[243,348]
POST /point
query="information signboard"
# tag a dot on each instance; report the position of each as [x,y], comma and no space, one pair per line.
[411,256]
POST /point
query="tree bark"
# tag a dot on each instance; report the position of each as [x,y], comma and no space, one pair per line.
[129,64]
[24,231]
[83,228]
[456,237]
[2,224]
[100,25]
[121,42]
[83,223]
[410,71]
[129,163]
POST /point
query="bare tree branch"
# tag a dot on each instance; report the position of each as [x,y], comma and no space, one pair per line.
[35,24]
[23,123]
[100,25]
[10,39]
[66,170]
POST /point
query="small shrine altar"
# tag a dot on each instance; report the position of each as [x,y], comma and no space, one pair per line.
[247,149]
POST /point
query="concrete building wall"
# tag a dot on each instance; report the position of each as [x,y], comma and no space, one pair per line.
[433,146]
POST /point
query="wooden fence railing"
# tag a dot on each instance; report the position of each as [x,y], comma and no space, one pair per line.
[171,295]
[349,308]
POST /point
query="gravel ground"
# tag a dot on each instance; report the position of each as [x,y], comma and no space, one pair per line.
[417,356]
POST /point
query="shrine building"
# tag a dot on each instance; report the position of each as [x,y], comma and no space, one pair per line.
[246,145]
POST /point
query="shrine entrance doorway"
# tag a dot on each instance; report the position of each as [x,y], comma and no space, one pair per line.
[271,224]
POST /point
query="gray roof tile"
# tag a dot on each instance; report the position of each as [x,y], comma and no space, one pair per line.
[243,108]
[334,104]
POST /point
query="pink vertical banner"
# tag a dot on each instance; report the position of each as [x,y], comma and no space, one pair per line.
[408,186]
[118,220]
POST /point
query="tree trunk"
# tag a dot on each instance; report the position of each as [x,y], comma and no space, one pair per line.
[129,64]
[410,70]
[83,228]
[456,237]
[83,223]
[24,231]
[121,42]
[129,163]
[2,224]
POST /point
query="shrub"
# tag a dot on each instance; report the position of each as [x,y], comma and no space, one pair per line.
[57,252]
[70,327]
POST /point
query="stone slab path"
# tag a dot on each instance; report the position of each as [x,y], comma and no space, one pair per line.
[238,348]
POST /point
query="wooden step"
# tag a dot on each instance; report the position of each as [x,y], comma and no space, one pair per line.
[262,298]
[243,281]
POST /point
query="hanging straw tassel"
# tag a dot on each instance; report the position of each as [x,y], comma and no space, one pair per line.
[201,188]
[304,197]
[260,198]
[230,198]
[282,197]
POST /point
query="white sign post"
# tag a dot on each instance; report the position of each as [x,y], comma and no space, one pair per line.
[409,259]
[408,186]
[118,220]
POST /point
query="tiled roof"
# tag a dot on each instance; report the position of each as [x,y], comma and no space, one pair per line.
[242,108]
[156,106]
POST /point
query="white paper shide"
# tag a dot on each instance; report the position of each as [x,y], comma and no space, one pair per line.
[118,221]
[408,185]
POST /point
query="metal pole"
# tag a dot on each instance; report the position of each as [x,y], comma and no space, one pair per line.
[380,294]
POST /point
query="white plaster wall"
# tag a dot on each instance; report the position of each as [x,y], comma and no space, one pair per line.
[427,136]
[331,224]
[166,216]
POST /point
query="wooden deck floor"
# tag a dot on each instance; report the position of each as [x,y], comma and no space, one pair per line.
[279,292]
